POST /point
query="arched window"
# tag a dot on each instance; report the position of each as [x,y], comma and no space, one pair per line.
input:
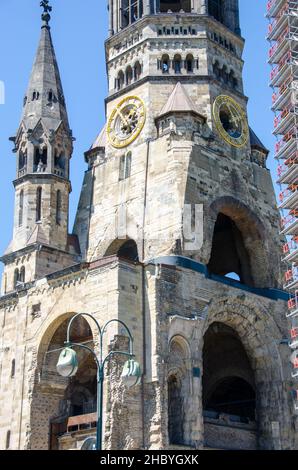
[21,208]
[58,207]
[165,63]
[22,274]
[16,278]
[216,70]
[224,74]
[177,63]
[189,63]
[120,80]
[128,75]
[175,411]
[38,204]
[22,159]
[50,96]
[175,6]
[137,70]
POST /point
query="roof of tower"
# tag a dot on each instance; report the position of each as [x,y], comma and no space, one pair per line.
[44,98]
[256,142]
[179,101]
[101,139]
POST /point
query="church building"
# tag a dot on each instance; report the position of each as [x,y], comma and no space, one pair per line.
[177,234]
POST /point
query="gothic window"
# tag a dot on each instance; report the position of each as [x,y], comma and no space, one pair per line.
[58,207]
[189,63]
[22,159]
[175,411]
[215,9]
[177,63]
[40,160]
[21,208]
[128,75]
[125,166]
[175,5]
[35,95]
[165,63]
[137,70]
[50,96]
[38,204]
[22,274]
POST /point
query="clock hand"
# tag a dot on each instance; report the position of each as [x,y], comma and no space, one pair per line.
[122,117]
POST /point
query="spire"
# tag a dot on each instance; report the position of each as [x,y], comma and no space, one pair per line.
[44,99]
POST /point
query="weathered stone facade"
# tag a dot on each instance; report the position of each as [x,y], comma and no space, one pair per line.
[212,349]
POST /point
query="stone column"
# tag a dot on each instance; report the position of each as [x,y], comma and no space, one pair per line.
[204,7]
[111,17]
[146,7]
[195,6]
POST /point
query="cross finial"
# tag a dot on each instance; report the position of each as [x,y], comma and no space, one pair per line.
[46,11]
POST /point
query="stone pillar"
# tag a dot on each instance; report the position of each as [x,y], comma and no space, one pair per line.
[30,157]
[146,7]
[204,7]
[111,17]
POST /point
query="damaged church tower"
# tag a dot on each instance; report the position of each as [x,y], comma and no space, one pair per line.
[176,234]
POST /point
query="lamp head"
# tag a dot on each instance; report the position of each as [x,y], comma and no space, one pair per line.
[67,364]
[131,374]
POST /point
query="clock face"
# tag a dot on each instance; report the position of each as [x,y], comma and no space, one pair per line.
[230,121]
[126,121]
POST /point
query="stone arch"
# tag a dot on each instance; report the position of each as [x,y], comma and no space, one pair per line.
[254,325]
[248,241]
[123,248]
[52,396]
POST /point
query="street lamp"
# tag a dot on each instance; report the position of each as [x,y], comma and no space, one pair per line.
[67,366]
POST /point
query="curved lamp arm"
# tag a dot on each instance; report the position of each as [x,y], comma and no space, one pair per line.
[83,346]
[81,315]
[127,329]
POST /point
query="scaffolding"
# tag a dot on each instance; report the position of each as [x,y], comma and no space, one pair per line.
[283,58]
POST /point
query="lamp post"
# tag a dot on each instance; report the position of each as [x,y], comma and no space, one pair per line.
[67,365]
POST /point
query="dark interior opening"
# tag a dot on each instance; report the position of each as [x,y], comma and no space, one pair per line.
[175,411]
[229,254]
[175,6]
[228,378]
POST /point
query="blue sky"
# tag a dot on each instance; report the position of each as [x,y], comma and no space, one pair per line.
[79,29]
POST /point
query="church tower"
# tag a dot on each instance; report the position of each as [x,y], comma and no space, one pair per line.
[178,235]
[43,149]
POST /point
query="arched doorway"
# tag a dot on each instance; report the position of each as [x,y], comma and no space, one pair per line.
[229,391]
[64,409]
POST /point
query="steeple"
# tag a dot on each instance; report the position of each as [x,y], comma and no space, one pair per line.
[43,146]
[45,98]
